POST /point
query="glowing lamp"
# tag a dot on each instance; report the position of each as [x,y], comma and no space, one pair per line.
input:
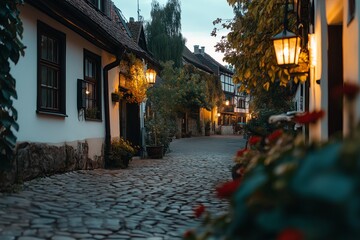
[287,48]
[150,76]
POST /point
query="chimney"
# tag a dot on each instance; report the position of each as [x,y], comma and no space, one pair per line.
[202,50]
[131,19]
[196,49]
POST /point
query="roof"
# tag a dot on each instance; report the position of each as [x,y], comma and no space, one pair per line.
[194,60]
[212,63]
[135,29]
[138,34]
[92,24]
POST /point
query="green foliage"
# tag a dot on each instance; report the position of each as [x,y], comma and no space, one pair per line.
[276,100]
[132,69]
[160,122]
[164,36]
[11,48]
[248,46]
[121,151]
[192,88]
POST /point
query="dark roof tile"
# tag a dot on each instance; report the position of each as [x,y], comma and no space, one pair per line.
[191,58]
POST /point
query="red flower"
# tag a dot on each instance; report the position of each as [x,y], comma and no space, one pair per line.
[199,210]
[290,234]
[254,140]
[274,135]
[309,117]
[350,90]
[241,152]
[227,189]
[189,234]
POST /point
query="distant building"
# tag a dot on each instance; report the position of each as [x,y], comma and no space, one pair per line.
[235,109]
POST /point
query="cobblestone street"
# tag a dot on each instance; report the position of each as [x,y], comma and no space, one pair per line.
[152,199]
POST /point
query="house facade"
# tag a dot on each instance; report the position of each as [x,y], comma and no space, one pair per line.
[235,110]
[64,85]
[334,61]
[202,116]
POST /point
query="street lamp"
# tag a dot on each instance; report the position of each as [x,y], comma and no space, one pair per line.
[150,76]
[287,45]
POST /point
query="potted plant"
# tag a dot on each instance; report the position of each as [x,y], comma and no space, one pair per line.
[92,113]
[121,152]
[154,147]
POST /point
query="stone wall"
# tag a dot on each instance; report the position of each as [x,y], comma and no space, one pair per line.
[34,160]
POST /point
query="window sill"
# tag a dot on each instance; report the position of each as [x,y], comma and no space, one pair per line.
[93,119]
[51,114]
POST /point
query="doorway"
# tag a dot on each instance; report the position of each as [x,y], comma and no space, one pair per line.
[335,80]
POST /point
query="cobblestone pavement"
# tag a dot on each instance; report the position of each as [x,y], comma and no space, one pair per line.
[152,199]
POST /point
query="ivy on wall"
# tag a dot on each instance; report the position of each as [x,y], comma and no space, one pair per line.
[11,48]
[132,69]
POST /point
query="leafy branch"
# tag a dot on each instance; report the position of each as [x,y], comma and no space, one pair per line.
[11,48]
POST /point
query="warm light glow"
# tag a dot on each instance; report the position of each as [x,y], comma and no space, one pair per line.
[312,50]
[218,114]
[227,102]
[287,48]
[151,76]
[87,92]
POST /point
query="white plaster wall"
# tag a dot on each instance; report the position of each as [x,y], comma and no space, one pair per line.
[114,107]
[351,54]
[318,96]
[45,128]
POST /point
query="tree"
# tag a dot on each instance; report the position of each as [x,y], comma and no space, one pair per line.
[198,89]
[181,91]
[11,30]
[163,32]
[248,46]
[276,100]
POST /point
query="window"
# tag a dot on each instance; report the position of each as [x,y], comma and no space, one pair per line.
[99,4]
[227,84]
[241,103]
[92,85]
[51,93]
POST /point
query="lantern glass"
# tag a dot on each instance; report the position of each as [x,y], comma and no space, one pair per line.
[151,76]
[287,48]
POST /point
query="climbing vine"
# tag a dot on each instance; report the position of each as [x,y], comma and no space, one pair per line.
[132,69]
[11,48]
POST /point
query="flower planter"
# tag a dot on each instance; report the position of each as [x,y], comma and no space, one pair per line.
[155,152]
[120,162]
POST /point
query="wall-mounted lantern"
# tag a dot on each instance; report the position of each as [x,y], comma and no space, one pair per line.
[287,48]
[287,44]
[227,102]
[150,76]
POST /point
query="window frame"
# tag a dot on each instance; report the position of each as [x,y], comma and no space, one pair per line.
[48,31]
[98,4]
[94,81]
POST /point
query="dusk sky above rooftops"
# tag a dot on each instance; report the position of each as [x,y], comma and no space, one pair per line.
[197,18]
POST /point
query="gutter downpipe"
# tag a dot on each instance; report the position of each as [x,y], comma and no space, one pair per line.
[106,70]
